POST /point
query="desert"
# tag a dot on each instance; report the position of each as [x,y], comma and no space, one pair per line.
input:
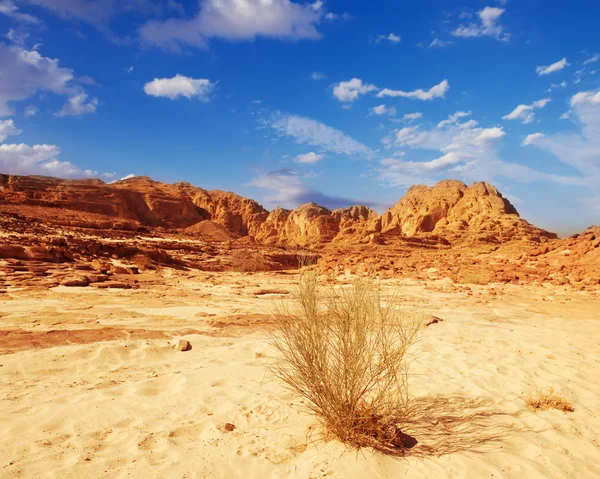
[300,239]
[99,282]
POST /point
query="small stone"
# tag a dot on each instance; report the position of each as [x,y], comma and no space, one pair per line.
[229,427]
[183,345]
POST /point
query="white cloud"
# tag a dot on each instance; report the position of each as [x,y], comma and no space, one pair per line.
[338,16]
[30,110]
[128,177]
[463,150]
[25,72]
[383,110]
[179,86]
[437,91]
[309,158]
[556,86]
[585,97]
[318,76]
[531,139]
[8,128]
[423,167]
[349,91]
[580,150]
[436,42]
[128,69]
[453,119]
[109,175]
[311,132]
[78,105]
[555,67]
[23,159]
[392,38]
[525,113]
[487,26]
[412,116]
[9,9]
[593,59]
[235,20]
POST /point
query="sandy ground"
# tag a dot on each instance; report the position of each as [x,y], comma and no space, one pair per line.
[105,395]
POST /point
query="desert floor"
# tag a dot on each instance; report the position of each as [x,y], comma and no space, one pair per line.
[91,387]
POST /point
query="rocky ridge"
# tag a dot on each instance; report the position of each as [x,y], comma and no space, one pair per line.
[449,210]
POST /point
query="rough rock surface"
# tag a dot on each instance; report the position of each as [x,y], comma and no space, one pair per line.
[449,209]
[455,210]
[53,231]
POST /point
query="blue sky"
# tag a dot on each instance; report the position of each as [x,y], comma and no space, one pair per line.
[337,102]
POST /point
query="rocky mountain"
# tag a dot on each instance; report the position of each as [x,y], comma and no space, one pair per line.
[450,210]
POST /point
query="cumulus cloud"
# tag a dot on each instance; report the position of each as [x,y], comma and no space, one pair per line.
[384,110]
[555,67]
[25,72]
[525,113]
[22,159]
[180,86]
[349,91]
[392,38]
[487,25]
[8,128]
[437,91]
[463,149]
[235,20]
[288,191]
[78,105]
[531,139]
[309,158]
[312,132]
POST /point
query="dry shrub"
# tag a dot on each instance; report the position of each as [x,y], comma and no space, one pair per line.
[248,261]
[542,400]
[345,352]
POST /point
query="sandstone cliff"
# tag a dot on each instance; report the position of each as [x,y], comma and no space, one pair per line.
[450,210]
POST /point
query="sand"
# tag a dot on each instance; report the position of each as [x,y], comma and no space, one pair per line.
[105,394]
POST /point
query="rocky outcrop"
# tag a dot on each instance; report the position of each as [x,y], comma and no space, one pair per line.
[450,211]
[455,210]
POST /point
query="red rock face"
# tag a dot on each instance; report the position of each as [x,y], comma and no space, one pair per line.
[455,210]
[450,210]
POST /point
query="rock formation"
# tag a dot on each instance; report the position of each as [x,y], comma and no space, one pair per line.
[450,210]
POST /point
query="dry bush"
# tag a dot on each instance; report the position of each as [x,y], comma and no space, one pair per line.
[248,261]
[542,400]
[345,352]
